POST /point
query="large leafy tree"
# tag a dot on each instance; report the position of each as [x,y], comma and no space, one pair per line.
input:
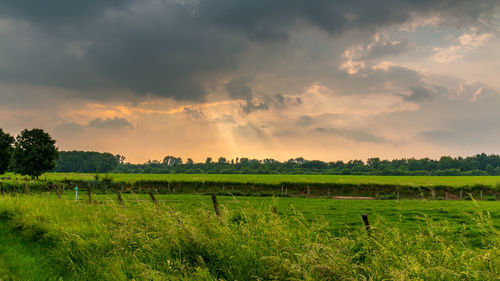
[34,153]
[6,142]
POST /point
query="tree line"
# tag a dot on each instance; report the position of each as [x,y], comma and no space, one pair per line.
[33,152]
[92,162]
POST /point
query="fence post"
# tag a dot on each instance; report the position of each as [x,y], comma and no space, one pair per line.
[89,192]
[153,197]
[460,194]
[481,194]
[366,223]
[216,205]
[308,191]
[119,193]
[58,191]
[26,189]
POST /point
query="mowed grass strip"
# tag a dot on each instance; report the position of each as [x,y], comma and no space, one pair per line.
[276,179]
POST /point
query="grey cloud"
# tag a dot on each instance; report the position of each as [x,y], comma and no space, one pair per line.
[383,49]
[249,130]
[55,12]
[194,113]
[440,136]
[475,91]
[226,118]
[108,123]
[70,127]
[419,93]
[179,49]
[305,121]
[239,89]
[355,135]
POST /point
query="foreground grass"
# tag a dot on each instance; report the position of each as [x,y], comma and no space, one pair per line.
[455,181]
[105,241]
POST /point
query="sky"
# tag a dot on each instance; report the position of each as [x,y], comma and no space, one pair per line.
[326,80]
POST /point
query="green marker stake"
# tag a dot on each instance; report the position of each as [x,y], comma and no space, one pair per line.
[76,193]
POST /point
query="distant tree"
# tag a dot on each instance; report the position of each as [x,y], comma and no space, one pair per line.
[222,160]
[189,161]
[208,160]
[120,159]
[172,160]
[6,142]
[34,153]
[106,162]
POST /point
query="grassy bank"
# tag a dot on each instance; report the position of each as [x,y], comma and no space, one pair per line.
[182,239]
[381,187]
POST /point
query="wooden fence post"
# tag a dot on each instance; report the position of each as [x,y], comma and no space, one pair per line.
[308,191]
[153,197]
[481,194]
[460,194]
[119,193]
[58,191]
[26,189]
[89,192]
[366,223]
[216,205]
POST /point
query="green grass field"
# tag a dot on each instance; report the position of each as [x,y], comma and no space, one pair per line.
[276,179]
[43,238]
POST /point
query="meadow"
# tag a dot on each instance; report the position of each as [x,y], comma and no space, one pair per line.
[254,238]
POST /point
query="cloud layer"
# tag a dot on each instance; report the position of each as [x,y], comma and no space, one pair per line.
[264,78]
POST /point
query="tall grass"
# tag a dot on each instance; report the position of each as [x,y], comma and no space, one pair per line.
[143,241]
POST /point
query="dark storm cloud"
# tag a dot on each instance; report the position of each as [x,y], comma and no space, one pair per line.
[110,123]
[355,135]
[58,11]
[239,89]
[179,49]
